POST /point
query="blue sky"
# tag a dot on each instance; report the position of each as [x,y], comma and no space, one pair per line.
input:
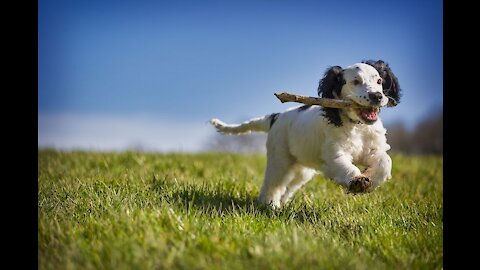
[153,72]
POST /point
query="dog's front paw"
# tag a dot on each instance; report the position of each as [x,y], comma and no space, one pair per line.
[360,184]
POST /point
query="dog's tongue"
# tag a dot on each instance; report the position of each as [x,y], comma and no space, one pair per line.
[369,113]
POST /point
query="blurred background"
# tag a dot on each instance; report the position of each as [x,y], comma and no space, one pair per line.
[148,75]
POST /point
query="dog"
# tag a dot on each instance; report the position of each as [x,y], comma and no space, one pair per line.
[307,140]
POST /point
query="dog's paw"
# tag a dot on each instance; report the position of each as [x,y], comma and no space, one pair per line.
[360,184]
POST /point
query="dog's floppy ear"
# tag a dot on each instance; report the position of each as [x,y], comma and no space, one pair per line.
[330,86]
[331,83]
[391,88]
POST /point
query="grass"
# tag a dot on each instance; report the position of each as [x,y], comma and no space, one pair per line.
[179,211]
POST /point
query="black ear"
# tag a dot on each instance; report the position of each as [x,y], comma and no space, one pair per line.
[391,88]
[330,86]
[331,83]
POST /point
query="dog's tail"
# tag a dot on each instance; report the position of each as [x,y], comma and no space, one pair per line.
[259,124]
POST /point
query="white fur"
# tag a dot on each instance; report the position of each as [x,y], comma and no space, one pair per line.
[302,143]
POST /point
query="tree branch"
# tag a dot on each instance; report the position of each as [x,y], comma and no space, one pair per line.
[324,102]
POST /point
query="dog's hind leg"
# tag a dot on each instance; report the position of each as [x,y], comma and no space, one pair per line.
[279,172]
[302,176]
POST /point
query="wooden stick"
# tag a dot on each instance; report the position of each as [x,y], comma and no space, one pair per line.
[325,102]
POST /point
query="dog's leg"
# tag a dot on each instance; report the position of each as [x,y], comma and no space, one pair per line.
[379,168]
[278,173]
[343,172]
[302,176]
[274,185]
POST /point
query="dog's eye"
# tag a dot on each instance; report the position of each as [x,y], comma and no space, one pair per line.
[356,82]
[379,81]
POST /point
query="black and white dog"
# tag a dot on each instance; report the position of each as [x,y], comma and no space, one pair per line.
[306,140]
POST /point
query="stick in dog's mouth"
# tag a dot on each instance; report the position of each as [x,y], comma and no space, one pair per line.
[324,102]
[368,114]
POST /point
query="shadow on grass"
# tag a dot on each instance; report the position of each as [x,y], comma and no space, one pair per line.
[225,201]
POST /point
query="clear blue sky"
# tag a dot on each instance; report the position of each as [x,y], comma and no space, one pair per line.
[184,62]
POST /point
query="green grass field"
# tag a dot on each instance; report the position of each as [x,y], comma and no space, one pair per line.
[179,211]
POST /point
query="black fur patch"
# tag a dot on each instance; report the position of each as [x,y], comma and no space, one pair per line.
[333,116]
[391,87]
[304,107]
[330,86]
[273,118]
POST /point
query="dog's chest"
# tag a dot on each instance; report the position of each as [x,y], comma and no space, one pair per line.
[354,144]
[360,143]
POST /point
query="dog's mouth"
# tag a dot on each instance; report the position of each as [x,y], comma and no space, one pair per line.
[368,114]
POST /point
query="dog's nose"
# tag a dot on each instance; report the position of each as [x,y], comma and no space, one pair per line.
[375,97]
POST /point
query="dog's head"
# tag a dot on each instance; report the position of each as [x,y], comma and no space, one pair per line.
[370,84]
